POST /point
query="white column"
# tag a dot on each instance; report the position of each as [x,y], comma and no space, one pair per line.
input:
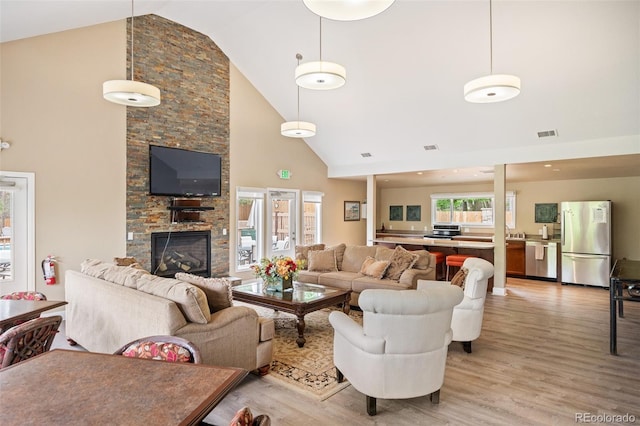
[500,250]
[371,209]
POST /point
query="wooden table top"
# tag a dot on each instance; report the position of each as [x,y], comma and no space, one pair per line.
[15,310]
[76,387]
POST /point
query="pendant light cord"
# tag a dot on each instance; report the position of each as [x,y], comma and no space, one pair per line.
[320,38]
[490,38]
[298,57]
[132,40]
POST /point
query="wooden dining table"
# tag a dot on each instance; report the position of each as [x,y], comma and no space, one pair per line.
[85,388]
[24,310]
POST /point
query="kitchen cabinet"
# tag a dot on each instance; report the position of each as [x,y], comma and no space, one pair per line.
[516,259]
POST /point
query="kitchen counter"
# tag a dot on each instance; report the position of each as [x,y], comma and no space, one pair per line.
[436,242]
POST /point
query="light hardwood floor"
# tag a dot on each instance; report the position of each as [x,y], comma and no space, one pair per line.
[543,358]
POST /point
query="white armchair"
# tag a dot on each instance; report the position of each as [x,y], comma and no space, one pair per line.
[467,316]
[400,351]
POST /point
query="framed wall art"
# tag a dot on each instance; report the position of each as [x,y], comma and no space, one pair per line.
[395,212]
[413,213]
[351,210]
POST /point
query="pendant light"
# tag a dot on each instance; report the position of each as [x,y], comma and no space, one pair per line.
[493,87]
[130,92]
[320,75]
[347,10]
[298,129]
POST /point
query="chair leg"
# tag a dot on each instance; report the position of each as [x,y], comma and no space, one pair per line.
[339,375]
[447,277]
[467,347]
[435,397]
[371,405]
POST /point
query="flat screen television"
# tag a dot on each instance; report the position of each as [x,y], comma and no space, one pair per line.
[183,173]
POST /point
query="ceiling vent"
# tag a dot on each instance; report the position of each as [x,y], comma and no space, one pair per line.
[430,147]
[547,134]
[366,154]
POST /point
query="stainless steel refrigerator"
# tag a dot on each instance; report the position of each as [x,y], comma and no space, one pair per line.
[586,242]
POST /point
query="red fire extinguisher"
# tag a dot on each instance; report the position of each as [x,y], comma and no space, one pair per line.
[49,270]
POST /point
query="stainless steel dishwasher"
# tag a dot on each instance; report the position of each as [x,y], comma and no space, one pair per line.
[541,259]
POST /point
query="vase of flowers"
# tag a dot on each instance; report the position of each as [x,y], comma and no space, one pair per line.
[277,273]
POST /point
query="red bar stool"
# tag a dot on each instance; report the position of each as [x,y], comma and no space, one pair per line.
[455,260]
[439,261]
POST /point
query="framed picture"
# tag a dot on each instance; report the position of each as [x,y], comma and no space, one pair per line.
[351,210]
[413,213]
[546,212]
[395,212]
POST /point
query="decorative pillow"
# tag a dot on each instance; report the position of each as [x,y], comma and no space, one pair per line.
[339,249]
[244,417]
[217,290]
[374,268]
[322,261]
[190,299]
[384,253]
[460,277]
[424,259]
[158,350]
[400,262]
[302,253]
[127,261]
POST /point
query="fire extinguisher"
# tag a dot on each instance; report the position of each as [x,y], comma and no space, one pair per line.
[49,270]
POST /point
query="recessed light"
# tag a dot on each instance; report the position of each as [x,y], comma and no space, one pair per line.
[419,173]
[430,147]
[547,165]
[556,170]
[366,154]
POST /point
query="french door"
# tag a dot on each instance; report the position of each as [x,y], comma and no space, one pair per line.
[282,210]
[17,236]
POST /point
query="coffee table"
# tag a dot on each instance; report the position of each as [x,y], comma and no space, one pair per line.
[302,299]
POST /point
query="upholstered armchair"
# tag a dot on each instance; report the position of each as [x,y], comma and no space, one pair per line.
[400,351]
[467,316]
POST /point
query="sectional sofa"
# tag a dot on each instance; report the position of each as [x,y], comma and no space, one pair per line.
[358,268]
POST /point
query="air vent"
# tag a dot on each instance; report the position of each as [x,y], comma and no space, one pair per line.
[547,134]
[366,154]
[430,147]
[487,171]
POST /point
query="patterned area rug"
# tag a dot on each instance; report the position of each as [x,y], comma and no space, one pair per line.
[309,369]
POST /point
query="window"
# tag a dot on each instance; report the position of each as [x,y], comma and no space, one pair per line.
[472,209]
[250,219]
[312,217]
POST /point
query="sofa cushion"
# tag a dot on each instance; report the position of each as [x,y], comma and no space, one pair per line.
[339,249]
[354,256]
[400,262]
[322,261]
[374,268]
[309,276]
[460,277]
[124,275]
[94,267]
[384,253]
[217,290]
[424,259]
[360,284]
[190,299]
[303,251]
[340,279]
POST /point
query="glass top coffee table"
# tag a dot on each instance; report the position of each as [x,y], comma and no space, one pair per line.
[302,299]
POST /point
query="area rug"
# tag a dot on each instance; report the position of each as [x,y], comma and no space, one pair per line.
[308,369]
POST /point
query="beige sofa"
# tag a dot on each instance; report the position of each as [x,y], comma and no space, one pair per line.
[121,305]
[348,270]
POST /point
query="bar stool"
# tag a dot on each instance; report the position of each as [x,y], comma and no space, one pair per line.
[455,260]
[439,261]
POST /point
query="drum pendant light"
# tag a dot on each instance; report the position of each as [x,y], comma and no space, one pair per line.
[347,10]
[320,75]
[130,92]
[493,87]
[298,129]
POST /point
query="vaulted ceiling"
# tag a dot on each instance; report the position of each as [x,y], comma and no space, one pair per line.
[579,62]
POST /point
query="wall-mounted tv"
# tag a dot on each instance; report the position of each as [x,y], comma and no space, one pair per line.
[183,173]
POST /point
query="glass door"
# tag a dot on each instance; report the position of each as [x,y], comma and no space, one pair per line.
[282,210]
[250,237]
[17,263]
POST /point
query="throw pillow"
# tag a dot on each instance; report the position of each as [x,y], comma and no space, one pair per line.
[424,258]
[339,249]
[322,261]
[400,261]
[460,277]
[384,253]
[162,351]
[243,417]
[303,251]
[218,290]
[374,268]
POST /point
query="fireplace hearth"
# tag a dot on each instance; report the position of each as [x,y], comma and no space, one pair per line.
[186,251]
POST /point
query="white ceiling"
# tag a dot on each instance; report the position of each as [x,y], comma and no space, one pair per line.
[579,62]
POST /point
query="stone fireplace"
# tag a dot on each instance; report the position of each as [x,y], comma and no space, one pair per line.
[186,251]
